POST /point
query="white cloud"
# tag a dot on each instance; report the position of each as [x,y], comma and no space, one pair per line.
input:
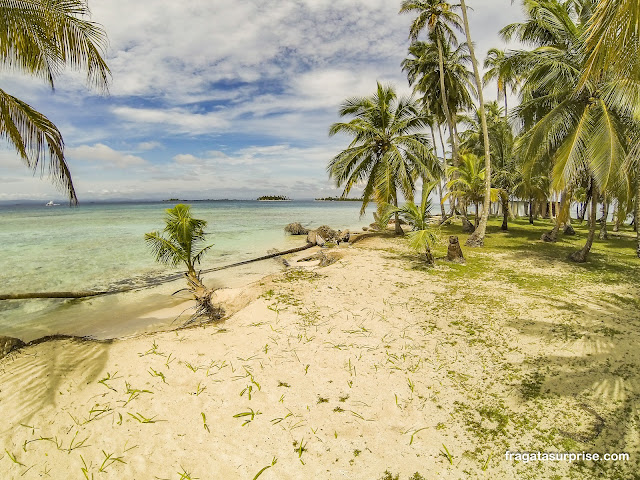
[149,145]
[103,154]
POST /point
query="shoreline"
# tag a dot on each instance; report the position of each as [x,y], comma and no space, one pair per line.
[371,364]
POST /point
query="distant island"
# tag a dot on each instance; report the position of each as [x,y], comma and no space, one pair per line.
[338,199]
[273,198]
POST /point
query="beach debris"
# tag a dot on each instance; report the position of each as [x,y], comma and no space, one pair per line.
[296,229]
[326,259]
[328,233]
[454,252]
[344,236]
[8,344]
[277,256]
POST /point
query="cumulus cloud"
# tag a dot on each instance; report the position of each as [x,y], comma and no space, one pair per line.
[232,93]
[105,155]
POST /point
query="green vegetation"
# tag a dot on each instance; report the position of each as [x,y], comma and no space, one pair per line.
[39,39]
[577,124]
[182,242]
[278,198]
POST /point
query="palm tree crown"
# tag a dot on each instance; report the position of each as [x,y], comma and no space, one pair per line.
[40,38]
[388,153]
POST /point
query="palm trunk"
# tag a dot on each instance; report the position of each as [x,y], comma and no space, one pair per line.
[604,235]
[435,150]
[429,256]
[445,105]
[444,158]
[637,215]
[531,211]
[562,213]
[477,237]
[505,213]
[581,255]
[398,227]
[616,217]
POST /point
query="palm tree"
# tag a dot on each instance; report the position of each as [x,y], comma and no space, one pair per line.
[182,242]
[467,183]
[611,39]
[506,174]
[440,20]
[476,239]
[388,153]
[583,131]
[499,69]
[40,38]
[422,238]
[423,72]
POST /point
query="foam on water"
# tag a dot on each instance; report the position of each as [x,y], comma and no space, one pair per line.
[95,246]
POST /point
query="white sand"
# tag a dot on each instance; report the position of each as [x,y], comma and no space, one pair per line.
[368,363]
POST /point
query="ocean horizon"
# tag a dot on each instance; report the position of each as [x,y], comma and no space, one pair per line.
[100,245]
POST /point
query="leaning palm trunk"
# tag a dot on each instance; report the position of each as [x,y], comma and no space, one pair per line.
[581,255]
[562,214]
[477,237]
[202,295]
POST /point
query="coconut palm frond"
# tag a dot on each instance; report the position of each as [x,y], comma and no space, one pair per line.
[36,139]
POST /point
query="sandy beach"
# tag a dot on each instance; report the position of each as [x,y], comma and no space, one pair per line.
[371,364]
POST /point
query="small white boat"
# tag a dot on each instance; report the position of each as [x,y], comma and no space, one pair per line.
[51,204]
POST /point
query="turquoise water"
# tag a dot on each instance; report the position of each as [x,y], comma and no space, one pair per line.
[95,246]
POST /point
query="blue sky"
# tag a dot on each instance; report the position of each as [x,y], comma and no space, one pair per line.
[222,98]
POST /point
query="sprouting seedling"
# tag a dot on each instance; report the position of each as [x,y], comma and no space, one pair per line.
[273,462]
[255,383]
[169,360]
[119,422]
[109,459]
[184,475]
[411,384]
[191,367]
[266,350]
[486,464]
[248,389]
[142,419]
[133,393]
[250,413]
[204,422]
[73,445]
[416,431]
[14,459]
[300,449]
[153,373]
[446,454]
[85,469]
[277,420]
[108,378]
[152,351]
[199,390]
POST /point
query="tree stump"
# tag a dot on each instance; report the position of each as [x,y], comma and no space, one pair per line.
[8,344]
[568,230]
[454,252]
